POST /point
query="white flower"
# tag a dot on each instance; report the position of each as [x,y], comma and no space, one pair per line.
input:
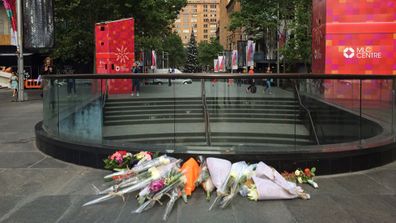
[164,160]
[127,155]
[297,173]
[183,179]
[154,173]
[208,185]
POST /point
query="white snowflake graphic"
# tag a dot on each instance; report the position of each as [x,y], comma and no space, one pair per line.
[122,54]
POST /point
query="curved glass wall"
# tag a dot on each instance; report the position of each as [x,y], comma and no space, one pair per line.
[201,114]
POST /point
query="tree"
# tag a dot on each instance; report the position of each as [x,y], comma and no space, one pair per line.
[75,21]
[257,21]
[192,65]
[207,52]
[174,46]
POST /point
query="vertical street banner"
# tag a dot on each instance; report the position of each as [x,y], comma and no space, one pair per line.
[216,65]
[250,53]
[38,24]
[221,62]
[153,60]
[234,60]
[9,6]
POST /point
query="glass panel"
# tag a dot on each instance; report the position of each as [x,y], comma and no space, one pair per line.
[377,114]
[143,118]
[50,106]
[189,121]
[334,107]
[80,110]
[246,115]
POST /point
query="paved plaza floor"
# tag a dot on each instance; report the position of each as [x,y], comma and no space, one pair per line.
[37,188]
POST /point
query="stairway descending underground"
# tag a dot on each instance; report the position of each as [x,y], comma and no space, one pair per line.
[254,121]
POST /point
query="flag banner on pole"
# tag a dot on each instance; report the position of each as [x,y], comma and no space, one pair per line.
[10,7]
[234,60]
[38,24]
[250,53]
[221,63]
[216,65]
[153,60]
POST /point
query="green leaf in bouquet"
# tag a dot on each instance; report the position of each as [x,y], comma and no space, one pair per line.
[313,170]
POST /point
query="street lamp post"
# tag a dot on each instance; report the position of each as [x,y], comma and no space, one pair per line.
[20,50]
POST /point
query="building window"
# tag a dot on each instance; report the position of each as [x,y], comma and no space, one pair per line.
[212,6]
[205,36]
[205,31]
[206,20]
[205,25]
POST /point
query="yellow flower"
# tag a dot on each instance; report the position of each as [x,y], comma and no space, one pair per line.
[299,179]
[253,194]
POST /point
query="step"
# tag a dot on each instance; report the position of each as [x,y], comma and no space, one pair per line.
[157,121]
[150,117]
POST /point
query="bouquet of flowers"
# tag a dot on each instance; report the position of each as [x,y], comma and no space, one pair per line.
[300,176]
[220,172]
[143,156]
[243,174]
[204,179]
[175,180]
[154,173]
[192,172]
[268,184]
[121,159]
[127,173]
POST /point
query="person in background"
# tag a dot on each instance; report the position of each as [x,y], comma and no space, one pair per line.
[135,82]
[252,83]
[13,82]
[48,69]
[267,87]
[48,66]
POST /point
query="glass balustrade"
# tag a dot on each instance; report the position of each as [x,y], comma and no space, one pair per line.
[229,114]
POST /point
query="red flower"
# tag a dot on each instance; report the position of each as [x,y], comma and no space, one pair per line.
[122,152]
[307,172]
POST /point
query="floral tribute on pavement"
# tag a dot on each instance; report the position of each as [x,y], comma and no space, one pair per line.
[155,178]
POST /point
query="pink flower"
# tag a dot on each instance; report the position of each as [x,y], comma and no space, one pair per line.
[157,185]
[115,155]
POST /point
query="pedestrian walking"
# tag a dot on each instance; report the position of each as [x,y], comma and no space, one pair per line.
[267,82]
[135,81]
[14,83]
[252,83]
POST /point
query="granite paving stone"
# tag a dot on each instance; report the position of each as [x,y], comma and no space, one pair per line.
[366,208]
[7,203]
[362,184]
[321,208]
[261,211]
[49,162]
[42,209]
[19,160]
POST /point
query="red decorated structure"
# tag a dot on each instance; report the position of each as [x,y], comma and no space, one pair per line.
[354,37]
[115,52]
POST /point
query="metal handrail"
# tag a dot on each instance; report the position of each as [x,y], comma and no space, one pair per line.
[197,76]
[307,111]
[106,94]
[205,113]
